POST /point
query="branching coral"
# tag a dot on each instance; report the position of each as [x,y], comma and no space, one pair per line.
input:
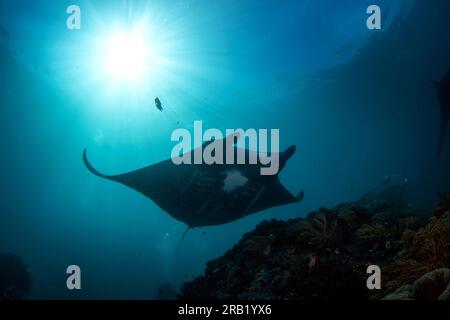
[425,250]
[258,246]
[431,245]
[371,236]
[411,222]
[402,272]
[320,231]
[434,285]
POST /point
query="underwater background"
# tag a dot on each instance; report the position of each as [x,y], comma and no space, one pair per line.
[351,99]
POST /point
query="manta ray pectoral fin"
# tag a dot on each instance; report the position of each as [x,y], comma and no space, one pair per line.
[286,155]
[300,196]
[92,169]
[289,152]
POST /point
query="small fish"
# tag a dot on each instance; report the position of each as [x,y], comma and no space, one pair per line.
[267,250]
[388,245]
[158,104]
[312,261]
[290,251]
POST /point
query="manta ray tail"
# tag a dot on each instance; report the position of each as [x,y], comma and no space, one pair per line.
[182,239]
[92,169]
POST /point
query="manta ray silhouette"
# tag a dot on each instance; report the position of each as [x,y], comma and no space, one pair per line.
[206,195]
[443,92]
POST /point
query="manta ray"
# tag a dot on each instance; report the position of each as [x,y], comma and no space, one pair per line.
[208,194]
[443,92]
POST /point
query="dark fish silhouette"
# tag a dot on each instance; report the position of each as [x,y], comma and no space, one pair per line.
[158,104]
[391,190]
[206,195]
[443,92]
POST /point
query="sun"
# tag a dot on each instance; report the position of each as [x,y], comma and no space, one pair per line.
[127,56]
[131,60]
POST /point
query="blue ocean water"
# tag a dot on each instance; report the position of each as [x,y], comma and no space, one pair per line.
[348,97]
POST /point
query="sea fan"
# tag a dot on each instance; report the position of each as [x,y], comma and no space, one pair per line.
[371,236]
[425,250]
[320,231]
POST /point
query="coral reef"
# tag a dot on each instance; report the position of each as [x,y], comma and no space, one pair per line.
[434,285]
[443,206]
[15,279]
[326,254]
[423,251]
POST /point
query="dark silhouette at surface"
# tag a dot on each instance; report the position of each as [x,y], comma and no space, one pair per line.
[443,92]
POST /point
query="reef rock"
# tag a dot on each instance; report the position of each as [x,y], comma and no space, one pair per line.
[15,279]
[326,255]
[322,256]
[443,206]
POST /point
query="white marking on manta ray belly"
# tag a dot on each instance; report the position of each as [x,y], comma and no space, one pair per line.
[234,180]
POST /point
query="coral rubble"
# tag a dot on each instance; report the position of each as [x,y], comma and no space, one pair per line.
[326,255]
